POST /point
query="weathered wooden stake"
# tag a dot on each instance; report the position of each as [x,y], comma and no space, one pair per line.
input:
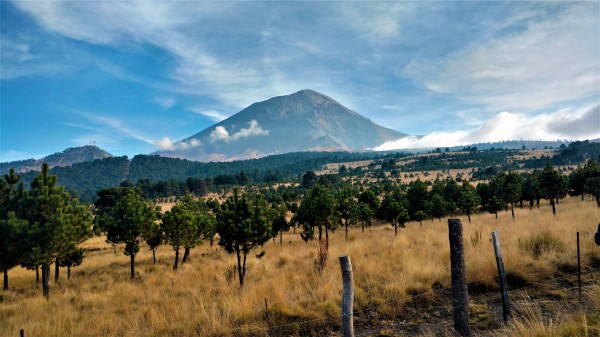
[268,318]
[578,267]
[347,297]
[502,277]
[460,295]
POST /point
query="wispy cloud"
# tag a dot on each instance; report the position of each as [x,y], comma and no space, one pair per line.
[415,67]
[212,114]
[165,102]
[15,50]
[117,127]
[202,64]
[562,124]
[554,60]
[108,128]
[220,134]
[18,60]
[378,22]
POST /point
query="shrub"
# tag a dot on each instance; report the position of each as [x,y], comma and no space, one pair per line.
[542,243]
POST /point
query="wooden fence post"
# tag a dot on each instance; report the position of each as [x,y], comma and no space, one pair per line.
[501,276]
[578,266]
[460,295]
[347,297]
[268,318]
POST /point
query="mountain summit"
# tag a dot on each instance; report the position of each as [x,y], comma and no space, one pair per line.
[68,157]
[303,121]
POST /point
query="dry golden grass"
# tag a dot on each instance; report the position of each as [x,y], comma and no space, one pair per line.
[333,168]
[396,278]
[531,154]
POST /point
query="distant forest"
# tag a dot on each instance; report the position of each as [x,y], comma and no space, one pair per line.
[168,174]
[162,176]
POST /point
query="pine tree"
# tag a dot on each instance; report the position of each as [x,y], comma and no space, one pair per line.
[365,215]
[437,206]
[317,210]
[177,223]
[592,186]
[73,259]
[56,222]
[242,227]
[154,237]
[127,221]
[11,249]
[280,223]
[12,228]
[551,185]
[393,208]
[420,216]
[469,200]
[577,182]
[81,218]
[185,225]
[370,198]
[512,190]
[347,208]
[497,189]
[204,226]
[417,195]
[494,205]
[584,180]
[368,203]
[401,218]
[106,201]
[530,188]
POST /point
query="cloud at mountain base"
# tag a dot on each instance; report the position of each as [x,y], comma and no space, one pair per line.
[562,124]
[166,144]
[221,134]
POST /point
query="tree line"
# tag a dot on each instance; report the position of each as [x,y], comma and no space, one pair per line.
[161,177]
[44,225]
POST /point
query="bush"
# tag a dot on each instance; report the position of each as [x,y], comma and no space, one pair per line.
[542,243]
[595,261]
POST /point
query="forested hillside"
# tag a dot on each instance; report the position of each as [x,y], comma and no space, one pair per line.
[85,179]
[271,168]
[162,176]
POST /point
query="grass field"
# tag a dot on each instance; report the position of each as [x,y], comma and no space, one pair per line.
[401,284]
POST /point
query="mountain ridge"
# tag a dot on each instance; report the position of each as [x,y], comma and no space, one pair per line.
[302,121]
[67,157]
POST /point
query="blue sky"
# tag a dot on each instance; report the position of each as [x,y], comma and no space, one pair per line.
[136,76]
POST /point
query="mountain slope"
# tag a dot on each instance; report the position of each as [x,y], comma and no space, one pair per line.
[303,121]
[67,157]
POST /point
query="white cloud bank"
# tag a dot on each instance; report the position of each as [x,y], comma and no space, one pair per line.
[221,134]
[166,144]
[563,124]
